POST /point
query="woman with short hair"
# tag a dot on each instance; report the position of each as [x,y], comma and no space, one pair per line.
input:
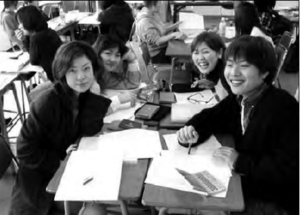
[264,123]
[71,108]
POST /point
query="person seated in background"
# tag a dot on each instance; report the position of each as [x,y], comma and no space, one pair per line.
[274,25]
[150,29]
[36,4]
[264,123]
[208,64]
[10,25]
[247,21]
[121,70]
[43,41]
[116,19]
[73,107]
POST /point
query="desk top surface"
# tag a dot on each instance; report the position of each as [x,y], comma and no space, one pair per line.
[202,3]
[165,197]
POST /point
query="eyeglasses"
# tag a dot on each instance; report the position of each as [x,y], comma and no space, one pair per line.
[198,98]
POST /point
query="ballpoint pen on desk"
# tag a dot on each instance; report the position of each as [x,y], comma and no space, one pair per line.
[87,180]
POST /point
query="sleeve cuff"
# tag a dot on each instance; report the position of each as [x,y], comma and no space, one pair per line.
[115,103]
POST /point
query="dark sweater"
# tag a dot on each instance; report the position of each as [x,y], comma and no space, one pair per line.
[46,134]
[42,48]
[268,158]
[117,20]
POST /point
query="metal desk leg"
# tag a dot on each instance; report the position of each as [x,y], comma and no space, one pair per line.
[66,207]
[17,102]
[124,208]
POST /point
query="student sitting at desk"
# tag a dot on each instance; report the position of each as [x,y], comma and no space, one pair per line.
[208,61]
[9,23]
[264,122]
[150,29]
[247,22]
[73,107]
[43,41]
[121,70]
[116,19]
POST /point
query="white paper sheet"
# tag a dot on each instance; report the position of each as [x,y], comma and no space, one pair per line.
[207,147]
[190,21]
[183,109]
[105,169]
[135,143]
[162,171]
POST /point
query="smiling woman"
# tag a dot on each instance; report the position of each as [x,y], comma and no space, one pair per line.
[208,61]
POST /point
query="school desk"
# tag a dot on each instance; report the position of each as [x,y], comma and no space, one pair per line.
[165,198]
[131,186]
[178,5]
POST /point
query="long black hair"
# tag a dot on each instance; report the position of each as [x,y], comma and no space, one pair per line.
[246,17]
[31,18]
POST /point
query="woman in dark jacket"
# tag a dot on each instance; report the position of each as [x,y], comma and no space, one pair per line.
[73,107]
[42,42]
[116,19]
[208,61]
[264,122]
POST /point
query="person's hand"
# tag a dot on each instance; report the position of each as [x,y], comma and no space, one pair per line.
[179,35]
[187,134]
[72,148]
[127,96]
[95,88]
[227,155]
[114,125]
[203,83]
[19,34]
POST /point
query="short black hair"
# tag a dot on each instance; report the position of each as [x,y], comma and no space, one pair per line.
[246,17]
[150,3]
[31,18]
[105,42]
[264,5]
[7,4]
[211,39]
[65,56]
[106,4]
[257,51]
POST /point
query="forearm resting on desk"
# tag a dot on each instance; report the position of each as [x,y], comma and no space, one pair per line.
[165,39]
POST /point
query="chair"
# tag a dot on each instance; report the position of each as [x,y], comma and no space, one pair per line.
[155,72]
[281,51]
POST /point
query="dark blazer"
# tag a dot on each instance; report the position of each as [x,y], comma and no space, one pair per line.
[117,20]
[42,48]
[51,127]
[268,158]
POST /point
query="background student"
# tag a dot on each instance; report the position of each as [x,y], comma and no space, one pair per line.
[208,63]
[121,71]
[116,19]
[43,41]
[264,122]
[73,107]
[247,21]
[9,22]
[150,29]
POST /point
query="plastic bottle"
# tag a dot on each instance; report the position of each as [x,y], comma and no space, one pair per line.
[222,27]
[62,14]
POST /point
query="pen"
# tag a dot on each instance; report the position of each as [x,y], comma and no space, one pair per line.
[87,180]
[190,147]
